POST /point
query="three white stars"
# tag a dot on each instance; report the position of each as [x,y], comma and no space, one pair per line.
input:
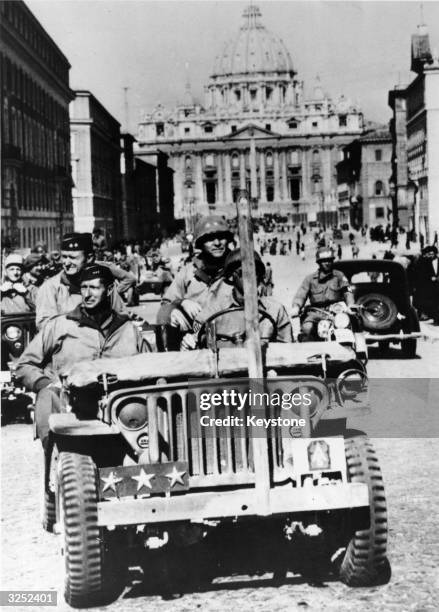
[143,479]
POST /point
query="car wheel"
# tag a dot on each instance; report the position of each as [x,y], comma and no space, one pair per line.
[365,562]
[408,347]
[380,311]
[92,569]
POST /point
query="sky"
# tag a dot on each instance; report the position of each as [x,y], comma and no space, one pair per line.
[360,49]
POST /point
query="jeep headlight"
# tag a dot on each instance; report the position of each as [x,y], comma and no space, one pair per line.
[352,382]
[341,320]
[323,328]
[133,415]
[13,332]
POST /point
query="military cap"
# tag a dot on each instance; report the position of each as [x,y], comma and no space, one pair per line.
[14,259]
[77,242]
[96,271]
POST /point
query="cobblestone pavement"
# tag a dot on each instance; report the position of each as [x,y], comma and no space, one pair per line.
[31,558]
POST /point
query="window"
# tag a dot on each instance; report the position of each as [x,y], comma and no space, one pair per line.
[208,129]
[379,212]
[187,130]
[292,125]
[238,95]
[210,160]
[378,154]
[188,162]
[379,188]
[235,160]
[342,121]
[315,124]
[234,128]
[253,93]
[268,93]
[211,192]
[294,157]
[268,127]
[295,189]
[269,159]
[270,193]
[159,129]
[316,156]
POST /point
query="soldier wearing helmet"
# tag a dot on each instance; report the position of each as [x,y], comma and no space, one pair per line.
[322,288]
[196,280]
[274,326]
[15,296]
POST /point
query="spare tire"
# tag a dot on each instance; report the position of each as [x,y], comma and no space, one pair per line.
[380,311]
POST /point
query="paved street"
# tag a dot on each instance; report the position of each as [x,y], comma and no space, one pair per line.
[31,558]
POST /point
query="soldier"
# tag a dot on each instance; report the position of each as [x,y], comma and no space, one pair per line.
[230,327]
[60,293]
[92,329]
[15,296]
[323,288]
[192,285]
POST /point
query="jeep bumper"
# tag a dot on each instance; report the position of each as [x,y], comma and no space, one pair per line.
[395,336]
[213,505]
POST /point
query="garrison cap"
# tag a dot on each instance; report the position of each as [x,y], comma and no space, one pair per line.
[77,242]
[95,271]
[324,253]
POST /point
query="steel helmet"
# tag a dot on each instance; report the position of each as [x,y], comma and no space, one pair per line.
[324,253]
[14,259]
[207,226]
[234,261]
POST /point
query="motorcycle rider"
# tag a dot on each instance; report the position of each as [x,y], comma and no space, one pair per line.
[92,329]
[197,279]
[231,326]
[324,287]
[61,293]
[15,296]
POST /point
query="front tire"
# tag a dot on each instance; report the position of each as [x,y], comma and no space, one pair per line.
[365,562]
[88,580]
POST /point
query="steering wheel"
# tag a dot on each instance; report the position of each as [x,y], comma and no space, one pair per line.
[220,313]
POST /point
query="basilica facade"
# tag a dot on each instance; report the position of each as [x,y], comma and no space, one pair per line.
[257,130]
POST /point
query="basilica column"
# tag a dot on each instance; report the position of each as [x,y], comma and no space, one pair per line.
[306,175]
[220,179]
[276,176]
[284,176]
[253,173]
[199,189]
[228,197]
[262,177]
[242,173]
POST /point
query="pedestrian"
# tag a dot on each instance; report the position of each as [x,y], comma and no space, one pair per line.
[355,250]
[268,279]
[302,251]
[339,251]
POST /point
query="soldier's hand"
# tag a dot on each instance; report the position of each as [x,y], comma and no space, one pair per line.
[295,311]
[191,307]
[179,320]
[189,342]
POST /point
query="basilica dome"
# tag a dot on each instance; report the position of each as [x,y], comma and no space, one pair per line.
[253,50]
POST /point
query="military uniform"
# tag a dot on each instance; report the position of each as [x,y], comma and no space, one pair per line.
[232,324]
[63,341]
[15,298]
[322,290]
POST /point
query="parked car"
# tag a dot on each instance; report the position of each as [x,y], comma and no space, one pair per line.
[17,330]
[130,465]
[381,288]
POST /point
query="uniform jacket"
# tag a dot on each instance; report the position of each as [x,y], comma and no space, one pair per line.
[71,338]
[321,289]
[15,298]
[193,282]
[58,296]
[425,279]
[234,323]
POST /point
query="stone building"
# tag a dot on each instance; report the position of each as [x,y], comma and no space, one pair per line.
[139,214]
[256,130]
[35,161]
[95,158]
[364,180]
[415,135]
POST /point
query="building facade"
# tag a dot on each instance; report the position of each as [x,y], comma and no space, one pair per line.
[415,130]
[365,189]
[257,131]
[35,164]
[95,160]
